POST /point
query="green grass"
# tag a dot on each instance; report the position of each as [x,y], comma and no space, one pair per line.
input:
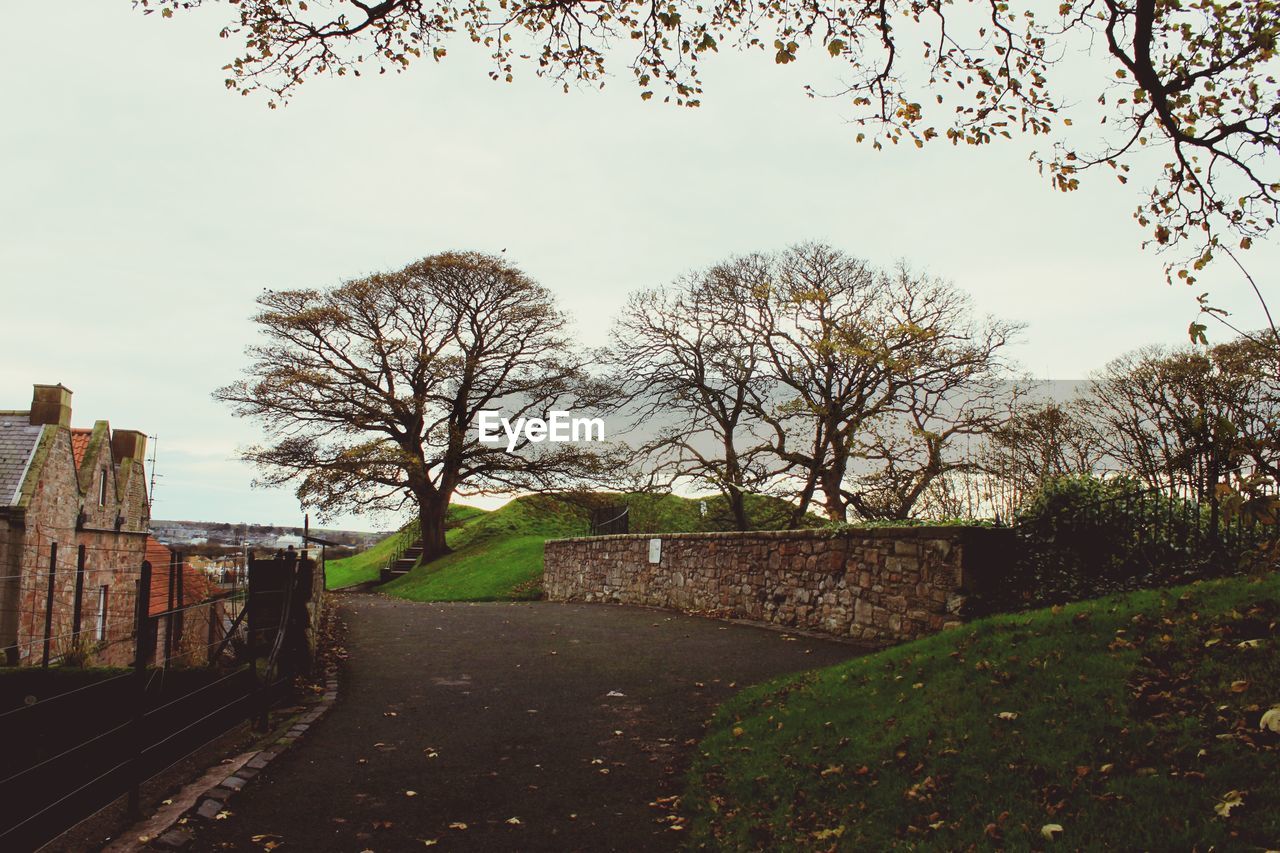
[366,565]
[498,555]
[1136,717]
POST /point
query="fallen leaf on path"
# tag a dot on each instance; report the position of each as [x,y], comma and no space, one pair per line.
[457,824]
[616,693]
[222,815]
[411,793]
[514,821]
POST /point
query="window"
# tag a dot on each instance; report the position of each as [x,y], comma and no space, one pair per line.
[101,633]
[102,487]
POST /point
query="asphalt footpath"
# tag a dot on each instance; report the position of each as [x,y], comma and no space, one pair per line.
[506,726]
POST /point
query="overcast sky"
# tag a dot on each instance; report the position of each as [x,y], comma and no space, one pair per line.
[143,207]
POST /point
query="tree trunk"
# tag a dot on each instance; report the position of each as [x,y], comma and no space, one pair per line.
[431,512]
[833,500]
[738,505]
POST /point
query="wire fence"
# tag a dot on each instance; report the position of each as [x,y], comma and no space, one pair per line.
[187,661]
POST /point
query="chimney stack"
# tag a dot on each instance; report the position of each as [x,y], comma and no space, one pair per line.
[51,404]
[128,444]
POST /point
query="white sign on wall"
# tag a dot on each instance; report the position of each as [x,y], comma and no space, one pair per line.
[655,550]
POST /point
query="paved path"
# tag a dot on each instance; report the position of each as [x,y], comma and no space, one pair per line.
[506,718]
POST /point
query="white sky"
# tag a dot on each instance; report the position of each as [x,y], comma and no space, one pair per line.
[143,207]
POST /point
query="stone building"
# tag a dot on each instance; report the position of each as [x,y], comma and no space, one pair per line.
[74,515]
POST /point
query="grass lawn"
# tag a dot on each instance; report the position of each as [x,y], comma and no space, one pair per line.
[1132,722]
[366,565]
[497,556]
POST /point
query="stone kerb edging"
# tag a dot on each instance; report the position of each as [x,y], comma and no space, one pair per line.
[210,804]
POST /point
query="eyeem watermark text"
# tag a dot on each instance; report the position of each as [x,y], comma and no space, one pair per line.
[491,427]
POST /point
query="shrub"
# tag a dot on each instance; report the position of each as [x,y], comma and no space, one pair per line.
[1083,536]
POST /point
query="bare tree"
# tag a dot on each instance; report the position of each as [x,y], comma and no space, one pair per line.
[369,393]
[1191,419]
[688,369]
[1037,441]
[852,349]
[959,392]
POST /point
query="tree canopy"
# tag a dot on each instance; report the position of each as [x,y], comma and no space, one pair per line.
[370,392]
[1196,80]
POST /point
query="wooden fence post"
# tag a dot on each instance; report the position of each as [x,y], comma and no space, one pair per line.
[142,648]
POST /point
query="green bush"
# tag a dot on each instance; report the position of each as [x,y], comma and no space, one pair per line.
[1082,536]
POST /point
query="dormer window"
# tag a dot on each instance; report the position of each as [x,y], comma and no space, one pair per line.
[102,487]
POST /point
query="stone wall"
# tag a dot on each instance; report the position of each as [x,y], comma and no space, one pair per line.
[879,585]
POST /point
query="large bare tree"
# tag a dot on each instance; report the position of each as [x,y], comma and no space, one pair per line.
[370,392]
[692,373]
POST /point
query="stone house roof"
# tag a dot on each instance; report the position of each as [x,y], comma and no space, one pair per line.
[80,444]
[18,443]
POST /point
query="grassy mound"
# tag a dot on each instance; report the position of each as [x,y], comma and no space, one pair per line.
[498,555]
[365,566]
[1133,722]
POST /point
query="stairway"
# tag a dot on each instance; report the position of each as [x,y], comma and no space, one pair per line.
[406,561]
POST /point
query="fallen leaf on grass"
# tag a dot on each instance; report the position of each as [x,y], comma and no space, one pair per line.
[1229,801]
[738,731]
[1239,686]
[1271,720]
[1051,830]
[1007,715]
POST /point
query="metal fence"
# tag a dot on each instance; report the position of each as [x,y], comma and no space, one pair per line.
[1133,540]
[76,739]
[608,520]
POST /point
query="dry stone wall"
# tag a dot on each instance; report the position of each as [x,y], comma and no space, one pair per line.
[879,585]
